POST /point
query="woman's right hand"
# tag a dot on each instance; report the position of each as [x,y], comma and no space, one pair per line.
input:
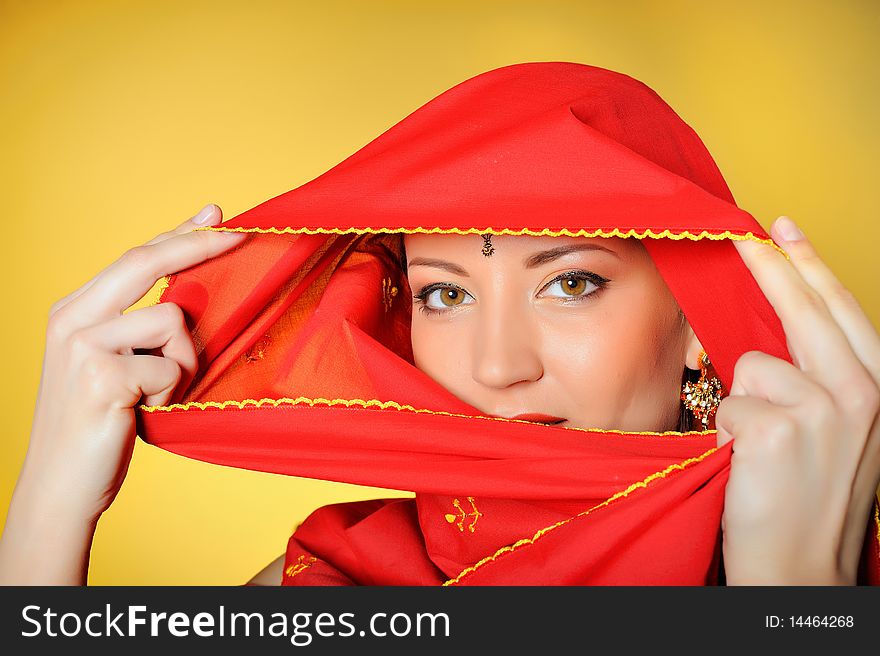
[83,431]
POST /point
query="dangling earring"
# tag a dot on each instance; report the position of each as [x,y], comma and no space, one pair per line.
[703,396]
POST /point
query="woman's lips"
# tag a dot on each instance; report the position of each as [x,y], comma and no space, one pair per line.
[539,418]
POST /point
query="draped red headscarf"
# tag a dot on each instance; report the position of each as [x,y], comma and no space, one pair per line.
[306,365]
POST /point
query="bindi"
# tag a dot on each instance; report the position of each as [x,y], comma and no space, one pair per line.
[488,248]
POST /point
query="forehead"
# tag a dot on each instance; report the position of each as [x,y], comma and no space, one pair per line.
[464,247]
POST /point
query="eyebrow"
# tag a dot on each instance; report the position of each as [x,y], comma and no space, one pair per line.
[532,261]
[555,253]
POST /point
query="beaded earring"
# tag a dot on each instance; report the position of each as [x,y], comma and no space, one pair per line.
[703,396]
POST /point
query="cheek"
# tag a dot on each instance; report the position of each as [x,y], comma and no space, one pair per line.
[440,348]
[589,353]
[617,354]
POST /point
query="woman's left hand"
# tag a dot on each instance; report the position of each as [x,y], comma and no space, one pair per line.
[806,459]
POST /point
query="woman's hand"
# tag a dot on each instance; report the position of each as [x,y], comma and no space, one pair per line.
[806,455]
[83,431]
[84,424]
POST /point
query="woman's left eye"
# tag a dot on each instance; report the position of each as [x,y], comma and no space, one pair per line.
[440,297]
[575,284]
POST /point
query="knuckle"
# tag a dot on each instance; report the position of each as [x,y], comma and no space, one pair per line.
[80,346]
[59,325]
[820,407]
[808,254]
[843,295]
[812,301]
[862,400]
[780,435]
[206,241]
[138,257]
[173,312]
[763,254]
[57,305]
[95,369]
[746,362]
[102,378]
[176,371]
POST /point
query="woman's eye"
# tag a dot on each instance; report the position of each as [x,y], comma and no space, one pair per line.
[447,296]
[574,284]
[440,298]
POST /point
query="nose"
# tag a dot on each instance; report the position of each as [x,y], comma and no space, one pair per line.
[507,346]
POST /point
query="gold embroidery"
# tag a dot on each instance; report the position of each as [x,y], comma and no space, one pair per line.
[545,232]
[302,564]
[384,405]
[476,514]
[258,350]
[527,541]
[388,293]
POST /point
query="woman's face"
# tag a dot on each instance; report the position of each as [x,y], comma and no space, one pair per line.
[580,329]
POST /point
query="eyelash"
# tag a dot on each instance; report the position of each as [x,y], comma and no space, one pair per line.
[421,298]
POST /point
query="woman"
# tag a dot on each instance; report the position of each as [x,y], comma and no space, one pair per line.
[543,238]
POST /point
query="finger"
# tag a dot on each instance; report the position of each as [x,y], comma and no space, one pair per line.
[814,337]
[161,326]
[742,417]
[151,378]
[208,215]
[132,275]
[843,306]
[766,377]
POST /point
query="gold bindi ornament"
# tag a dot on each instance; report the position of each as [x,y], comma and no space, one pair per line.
[488,249]
[703,396]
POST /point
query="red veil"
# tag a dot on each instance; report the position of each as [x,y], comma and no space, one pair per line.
[306,366]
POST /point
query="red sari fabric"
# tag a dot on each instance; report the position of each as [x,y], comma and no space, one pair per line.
[306,366]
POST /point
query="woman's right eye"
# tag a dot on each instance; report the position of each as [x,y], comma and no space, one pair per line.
[440,298]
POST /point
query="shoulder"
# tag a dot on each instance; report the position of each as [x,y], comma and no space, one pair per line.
[271,574]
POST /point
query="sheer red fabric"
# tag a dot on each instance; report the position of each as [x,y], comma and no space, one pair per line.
[306,366]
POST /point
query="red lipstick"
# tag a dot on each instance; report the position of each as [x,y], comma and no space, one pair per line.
[539,418]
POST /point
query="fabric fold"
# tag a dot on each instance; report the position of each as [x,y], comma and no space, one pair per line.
[306,365]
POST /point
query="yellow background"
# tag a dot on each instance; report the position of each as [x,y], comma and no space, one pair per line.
[120,120]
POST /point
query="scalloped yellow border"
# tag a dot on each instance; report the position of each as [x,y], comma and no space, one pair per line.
[542,532]
[544,232]
[665,234]
[374,403]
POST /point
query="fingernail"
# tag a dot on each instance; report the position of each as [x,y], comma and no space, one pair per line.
[204,214]
[788,229]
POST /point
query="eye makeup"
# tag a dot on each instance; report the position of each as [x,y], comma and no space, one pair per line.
[422,297]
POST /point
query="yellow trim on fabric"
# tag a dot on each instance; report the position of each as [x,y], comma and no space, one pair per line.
[461,231]
[544,232]
[160,286]
[384,405]
[542,532]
